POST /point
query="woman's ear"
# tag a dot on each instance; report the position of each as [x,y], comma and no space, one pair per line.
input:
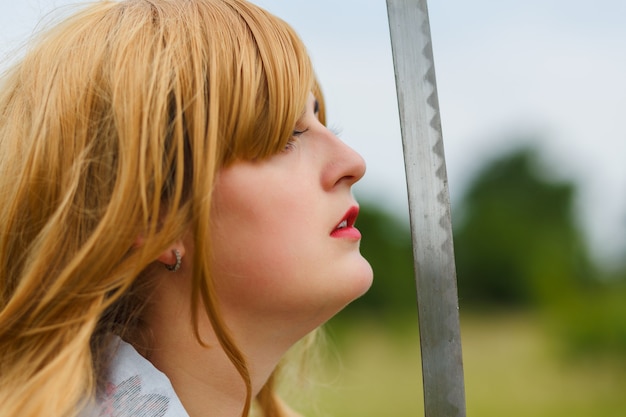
[171,257]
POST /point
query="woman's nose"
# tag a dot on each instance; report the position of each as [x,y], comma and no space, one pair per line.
[344,166]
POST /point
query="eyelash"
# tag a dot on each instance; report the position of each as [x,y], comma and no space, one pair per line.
[292,141]
[337,130]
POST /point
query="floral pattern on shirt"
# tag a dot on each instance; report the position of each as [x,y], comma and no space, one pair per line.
[126,400]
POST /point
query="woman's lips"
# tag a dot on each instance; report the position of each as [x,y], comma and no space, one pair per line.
[345,228]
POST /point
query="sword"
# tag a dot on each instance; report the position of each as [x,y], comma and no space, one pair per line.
[429,209]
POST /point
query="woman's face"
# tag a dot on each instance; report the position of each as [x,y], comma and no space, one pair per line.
[285,249]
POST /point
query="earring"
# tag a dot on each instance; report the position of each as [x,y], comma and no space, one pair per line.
[179,261]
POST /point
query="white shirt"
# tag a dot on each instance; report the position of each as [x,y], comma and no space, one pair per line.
[135,388]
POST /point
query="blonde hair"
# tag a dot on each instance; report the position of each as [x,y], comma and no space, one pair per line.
[122,112]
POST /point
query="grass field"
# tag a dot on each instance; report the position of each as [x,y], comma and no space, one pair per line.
[511,369]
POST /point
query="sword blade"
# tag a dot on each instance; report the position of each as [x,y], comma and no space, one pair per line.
[429,209]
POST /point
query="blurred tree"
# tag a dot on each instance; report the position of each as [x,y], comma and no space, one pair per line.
[517,244]
[516,239]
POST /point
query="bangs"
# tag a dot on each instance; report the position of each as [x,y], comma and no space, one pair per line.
[273,79]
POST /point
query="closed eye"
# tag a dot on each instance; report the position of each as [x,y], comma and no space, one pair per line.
[291,144]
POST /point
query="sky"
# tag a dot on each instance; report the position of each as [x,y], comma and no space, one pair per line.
[550,73]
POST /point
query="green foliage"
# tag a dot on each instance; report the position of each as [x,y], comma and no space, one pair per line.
[516,240]
[517,245]
[592,322]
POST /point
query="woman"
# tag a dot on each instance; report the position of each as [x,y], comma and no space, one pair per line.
[175,215]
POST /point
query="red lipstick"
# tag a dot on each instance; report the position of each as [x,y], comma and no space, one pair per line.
[345,228]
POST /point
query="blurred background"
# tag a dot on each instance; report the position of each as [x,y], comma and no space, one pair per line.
[532,98]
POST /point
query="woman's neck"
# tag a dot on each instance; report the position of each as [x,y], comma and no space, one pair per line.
[204,378]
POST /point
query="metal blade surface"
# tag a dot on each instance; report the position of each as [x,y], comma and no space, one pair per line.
[429,209]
